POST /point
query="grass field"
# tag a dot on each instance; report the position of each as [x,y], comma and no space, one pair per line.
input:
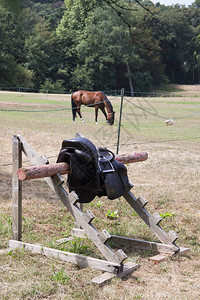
[169,180]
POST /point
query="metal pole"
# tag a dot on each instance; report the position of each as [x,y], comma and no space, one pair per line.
[120,118]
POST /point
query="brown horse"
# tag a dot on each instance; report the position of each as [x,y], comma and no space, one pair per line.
[94,99]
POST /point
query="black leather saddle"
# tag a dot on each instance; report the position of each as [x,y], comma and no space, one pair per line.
[95,171]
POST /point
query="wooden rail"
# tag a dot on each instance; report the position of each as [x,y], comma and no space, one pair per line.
[50,170]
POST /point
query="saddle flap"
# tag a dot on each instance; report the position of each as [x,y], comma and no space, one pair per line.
[114,186]
[82,155]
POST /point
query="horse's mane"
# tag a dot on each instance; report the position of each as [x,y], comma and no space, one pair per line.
[109,103]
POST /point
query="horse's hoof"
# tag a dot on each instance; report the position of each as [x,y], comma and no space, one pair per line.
[96,123]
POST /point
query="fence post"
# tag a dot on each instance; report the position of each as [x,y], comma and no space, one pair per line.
[120,118]
[16,190]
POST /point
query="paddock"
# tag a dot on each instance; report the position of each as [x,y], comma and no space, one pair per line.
[169,179]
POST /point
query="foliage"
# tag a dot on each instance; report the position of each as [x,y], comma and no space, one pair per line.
[52,86]
[41,52]
[106,52]
[176,29]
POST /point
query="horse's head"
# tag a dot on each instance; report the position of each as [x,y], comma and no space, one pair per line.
[111,118]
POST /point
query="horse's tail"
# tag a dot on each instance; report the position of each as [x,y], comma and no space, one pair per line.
[74,108]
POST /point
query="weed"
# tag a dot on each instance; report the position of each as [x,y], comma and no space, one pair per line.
[139,280]
[33,291]
[112,214]
[165,215]
[118,230]
[134,214]
[194,241]
[27,223]
[74,246]
[77,246]
[161,202]
[138,296]
[52,244]
[99,204]
[186,273]
[10,253]
[7,218]
[163,267]
[59,276]
[5,225]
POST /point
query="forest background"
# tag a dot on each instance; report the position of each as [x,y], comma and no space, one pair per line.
[98,44]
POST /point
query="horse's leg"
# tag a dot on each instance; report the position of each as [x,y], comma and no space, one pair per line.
[79,112]
[96,114]
[74,108]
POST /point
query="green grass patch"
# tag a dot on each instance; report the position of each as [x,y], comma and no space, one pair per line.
[180,102]
[169,88]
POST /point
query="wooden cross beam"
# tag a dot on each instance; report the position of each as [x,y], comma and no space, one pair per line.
[49,170]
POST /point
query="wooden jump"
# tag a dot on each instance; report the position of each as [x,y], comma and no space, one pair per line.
[114,264]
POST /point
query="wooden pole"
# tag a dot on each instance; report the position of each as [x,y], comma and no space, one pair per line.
[16,190]
[42,171]
[48,170]
[131,158]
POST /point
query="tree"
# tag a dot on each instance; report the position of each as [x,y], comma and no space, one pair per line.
[51,11]
[69,32]
[196,3]
[11,72]
[175,30]
[41,55]
[98,44]
[106,50]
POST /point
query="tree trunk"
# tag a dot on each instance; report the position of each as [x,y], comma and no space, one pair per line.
[130,80]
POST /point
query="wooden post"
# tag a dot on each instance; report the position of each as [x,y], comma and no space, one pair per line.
[16,190]
[80,205]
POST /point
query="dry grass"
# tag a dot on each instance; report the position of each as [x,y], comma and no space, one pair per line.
[169,179]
